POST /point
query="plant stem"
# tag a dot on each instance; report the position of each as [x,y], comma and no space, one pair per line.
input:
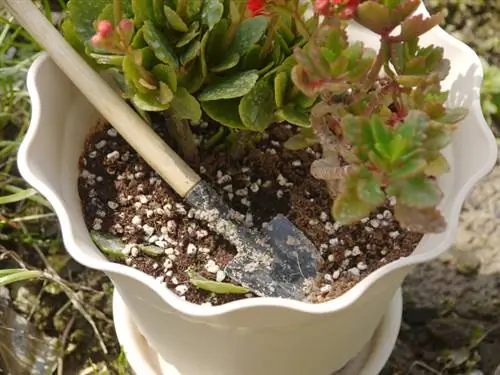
[180,131]
[378,63]
[117,11]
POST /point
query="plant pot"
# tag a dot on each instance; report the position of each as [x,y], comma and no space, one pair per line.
[144,360]
[260,335]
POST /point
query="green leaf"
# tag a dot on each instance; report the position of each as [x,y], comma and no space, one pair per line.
[381,134]
[185,106]
[156,101]
[211,13]
[374,16]
[349,208]
[454,115]
[160,45]
[193,8]
[143,11]
[166,73]
[369,190]
[159,12]
[151,250]
[114,60]
[249,33]
[232,86]
[437,166]
[410,168]
[174,20]
[215,50]
[20,275]
[74,39]
[225,112]
[194,31]
[191,53]
[229,62]
[108,244]
[256,108]
[305,138]
[295,116]
[214,286]
[418,192]
[83,14]
[17,197]
[281,82]
[193,78]
[253,58]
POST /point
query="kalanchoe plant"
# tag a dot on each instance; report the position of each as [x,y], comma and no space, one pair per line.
[229,59]
[382,121]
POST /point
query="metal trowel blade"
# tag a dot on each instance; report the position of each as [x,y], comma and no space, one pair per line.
[284,268]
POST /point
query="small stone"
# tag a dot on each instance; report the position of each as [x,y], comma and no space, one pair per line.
[228,188]
[126,250]
[394,234]
[387,214]
[254,188]
[101,213]
[245,202]
[334,241]
[128,261]
[155,266]
[347,253]
[148,230]
[181,289]
[153,239]
[326,289]
[169,251]
[281,180]
[201,233]
[143,199]
[374,223]
[241,192]
[92,154]
[392,201]
[191,249]
[328,278]
[369,229]
[137,220]
[272,151]
[224,179]
[113,156]
[134,251]
[171,226]
[361,266]
[331,258]
[174,280]
[203,170]
[323,216]
[279,194]
[296,163]
[100,144]
[220,276]
[356,251]
[313,222]
[149,213]
[336,274]
[354,272]
[137,205]
[330,229]
[112,132]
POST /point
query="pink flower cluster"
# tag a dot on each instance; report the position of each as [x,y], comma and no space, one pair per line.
[112,39]
[345,9]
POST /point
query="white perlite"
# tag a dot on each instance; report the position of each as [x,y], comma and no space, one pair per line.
[211,266]
[113,156]
[148,230]
[191,249]
[220,276]
[137,220]
[356,251]
[181,289]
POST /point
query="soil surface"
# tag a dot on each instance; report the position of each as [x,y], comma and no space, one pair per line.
[121,195]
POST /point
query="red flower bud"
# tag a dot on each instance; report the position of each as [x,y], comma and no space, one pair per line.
[104,28]
[97,41]
[256,7]
[126,25]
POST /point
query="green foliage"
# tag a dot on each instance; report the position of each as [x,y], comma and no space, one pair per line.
[382,136]
[212,49]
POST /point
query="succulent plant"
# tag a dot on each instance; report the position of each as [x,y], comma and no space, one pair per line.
[382,121]
[228,59]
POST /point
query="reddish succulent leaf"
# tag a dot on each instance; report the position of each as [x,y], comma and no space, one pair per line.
[425,220]
[415,26]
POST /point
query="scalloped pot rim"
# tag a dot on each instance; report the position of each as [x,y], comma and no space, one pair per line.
[193,310]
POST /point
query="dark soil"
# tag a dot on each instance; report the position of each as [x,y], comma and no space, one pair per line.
[121,195]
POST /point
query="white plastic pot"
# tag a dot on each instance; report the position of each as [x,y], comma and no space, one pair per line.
[261,336]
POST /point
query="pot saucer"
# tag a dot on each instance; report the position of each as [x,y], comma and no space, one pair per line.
[145,361]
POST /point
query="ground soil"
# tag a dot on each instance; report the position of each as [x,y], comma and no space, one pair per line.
[121,195]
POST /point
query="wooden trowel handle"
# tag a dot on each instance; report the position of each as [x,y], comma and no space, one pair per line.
[114,109]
